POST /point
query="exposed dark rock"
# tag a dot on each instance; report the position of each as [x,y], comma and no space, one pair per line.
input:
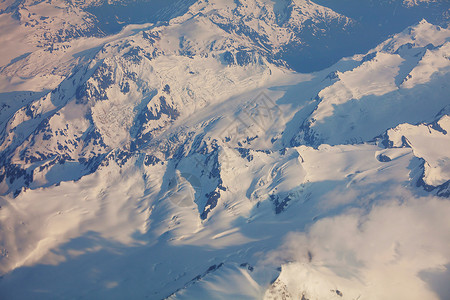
[248,266]
[228,58]
[125,87]
[151,160]
[133,55]
[166,89]
[383,158]
[245,153]
[279,205]
[243,58]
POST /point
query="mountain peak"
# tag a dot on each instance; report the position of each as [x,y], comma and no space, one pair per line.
[224,149]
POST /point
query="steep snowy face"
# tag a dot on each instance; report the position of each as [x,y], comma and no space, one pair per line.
[274,24]
[49,23]
[38,36]
[46,29]
[189,156]
[308,36]
[276,27]
[427,142]
[127,93]
[387,87]
[301,34]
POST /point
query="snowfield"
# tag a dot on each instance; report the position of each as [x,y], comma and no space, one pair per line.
[187,159]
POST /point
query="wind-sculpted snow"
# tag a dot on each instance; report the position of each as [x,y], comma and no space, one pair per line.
[186,160]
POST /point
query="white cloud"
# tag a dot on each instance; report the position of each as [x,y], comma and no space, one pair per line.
[380,255]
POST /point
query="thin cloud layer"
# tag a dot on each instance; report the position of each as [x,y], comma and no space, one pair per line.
[389,253]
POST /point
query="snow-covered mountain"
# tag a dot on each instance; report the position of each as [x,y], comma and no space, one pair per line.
[185,157]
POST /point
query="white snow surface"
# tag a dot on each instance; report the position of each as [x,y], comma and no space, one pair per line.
[178,161]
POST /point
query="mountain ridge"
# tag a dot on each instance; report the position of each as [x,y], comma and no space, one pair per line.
[190,156]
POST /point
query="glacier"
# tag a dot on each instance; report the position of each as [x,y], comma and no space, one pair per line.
[247,149]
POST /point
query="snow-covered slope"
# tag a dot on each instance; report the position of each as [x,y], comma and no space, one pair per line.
[186,160]
[28,25]
[430,143]
[388,87]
